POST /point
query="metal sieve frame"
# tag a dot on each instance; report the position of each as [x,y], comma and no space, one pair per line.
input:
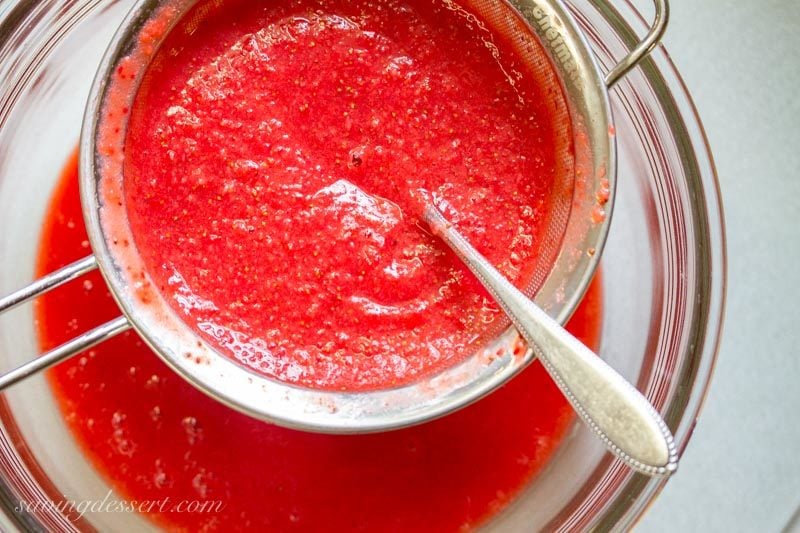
[336,412]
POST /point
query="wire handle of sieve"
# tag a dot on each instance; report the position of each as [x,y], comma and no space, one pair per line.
[645,46]
[73,346]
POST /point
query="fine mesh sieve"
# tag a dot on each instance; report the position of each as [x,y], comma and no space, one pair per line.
[545,35]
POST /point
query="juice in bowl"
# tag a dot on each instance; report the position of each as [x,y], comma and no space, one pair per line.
[112,428]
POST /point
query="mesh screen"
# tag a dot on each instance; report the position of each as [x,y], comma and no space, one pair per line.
[505,22]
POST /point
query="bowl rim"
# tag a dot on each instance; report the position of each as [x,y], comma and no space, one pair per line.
[632,493]
[641,495]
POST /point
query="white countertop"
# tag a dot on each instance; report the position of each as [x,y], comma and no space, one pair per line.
[741,470]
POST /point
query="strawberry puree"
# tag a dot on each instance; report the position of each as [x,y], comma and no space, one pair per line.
[153,436]
[270,163]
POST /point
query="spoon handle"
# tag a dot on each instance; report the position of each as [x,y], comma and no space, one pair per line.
[623,419]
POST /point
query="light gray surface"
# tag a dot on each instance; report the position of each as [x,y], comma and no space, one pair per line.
[741,470]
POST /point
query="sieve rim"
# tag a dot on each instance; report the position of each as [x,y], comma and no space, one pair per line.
[331,411]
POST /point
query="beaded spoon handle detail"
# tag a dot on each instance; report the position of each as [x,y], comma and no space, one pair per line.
[613,409]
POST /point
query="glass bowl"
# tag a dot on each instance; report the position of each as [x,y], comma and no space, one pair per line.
[663,281]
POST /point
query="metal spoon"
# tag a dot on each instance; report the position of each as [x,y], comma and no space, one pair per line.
[614,410]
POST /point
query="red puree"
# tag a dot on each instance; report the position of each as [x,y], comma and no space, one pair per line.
[152,435]
[270,164]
